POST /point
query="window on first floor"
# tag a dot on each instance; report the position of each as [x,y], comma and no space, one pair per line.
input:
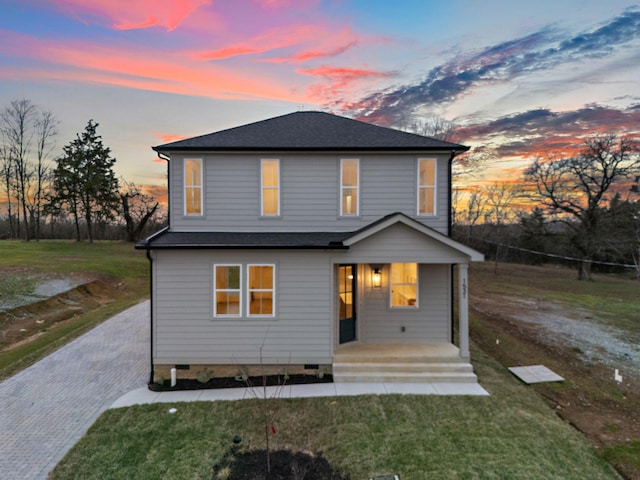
[404,285]
[260,290]
[227,280]
[229,290]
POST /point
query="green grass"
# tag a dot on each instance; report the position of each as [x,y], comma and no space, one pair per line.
[117,259]
[22,263]
[612,300]
[510,435]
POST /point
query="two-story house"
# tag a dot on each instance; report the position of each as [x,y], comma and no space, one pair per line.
[313,243]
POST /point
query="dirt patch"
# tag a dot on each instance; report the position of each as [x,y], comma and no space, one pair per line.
[26,323]
[577,346]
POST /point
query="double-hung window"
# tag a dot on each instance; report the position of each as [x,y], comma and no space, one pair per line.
[227,293]
[230,290]
[260,290]
[193,186]
[270,187]
[349,181]
[404,285]
[426,186]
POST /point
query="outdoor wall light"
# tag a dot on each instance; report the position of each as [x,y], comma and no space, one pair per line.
[376,278]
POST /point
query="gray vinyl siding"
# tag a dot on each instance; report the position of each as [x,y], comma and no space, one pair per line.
[185,331]
[430,322]
[309,192]
[400,243]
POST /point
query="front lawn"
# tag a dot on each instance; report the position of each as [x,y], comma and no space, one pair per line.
[510,435]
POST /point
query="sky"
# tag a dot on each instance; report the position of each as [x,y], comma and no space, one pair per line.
[520,78]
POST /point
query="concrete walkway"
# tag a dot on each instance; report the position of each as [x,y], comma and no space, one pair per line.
[47,408]
[145,396]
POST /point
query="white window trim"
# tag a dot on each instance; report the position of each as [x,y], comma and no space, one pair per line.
[391,285]
[216,290]
[343,187]
[185,187]
[263,188]
[272,290]
[432,187]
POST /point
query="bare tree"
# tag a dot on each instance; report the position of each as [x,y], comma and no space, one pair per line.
[46,130]
[6,170]
[26,131]
[137,208]
[16,122]
[576,188]
[500,198]
[434,126]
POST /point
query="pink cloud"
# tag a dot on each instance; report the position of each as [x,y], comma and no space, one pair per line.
[289,4]
[169,137]
[311,40]
[341,80]
[138,68]
[128,15]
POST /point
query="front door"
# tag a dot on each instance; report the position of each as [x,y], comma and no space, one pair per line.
[347,300]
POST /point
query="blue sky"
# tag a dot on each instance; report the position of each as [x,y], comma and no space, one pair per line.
[521,78]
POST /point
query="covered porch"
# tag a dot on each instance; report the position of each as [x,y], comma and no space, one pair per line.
[399,290]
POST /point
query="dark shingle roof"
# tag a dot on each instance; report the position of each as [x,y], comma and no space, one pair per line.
[240,240]
[309,131]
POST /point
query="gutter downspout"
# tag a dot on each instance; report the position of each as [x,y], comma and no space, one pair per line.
[449,231]
[152,374]
[161,156]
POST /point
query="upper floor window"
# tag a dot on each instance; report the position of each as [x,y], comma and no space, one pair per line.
[270,187]
[226,290]
[349,181]
[260,290]
[426,186]
[404,285]
[193,186]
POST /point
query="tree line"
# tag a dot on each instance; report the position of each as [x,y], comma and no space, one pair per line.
[586,210]
[43,193]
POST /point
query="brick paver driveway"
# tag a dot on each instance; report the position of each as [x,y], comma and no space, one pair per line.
[47,408]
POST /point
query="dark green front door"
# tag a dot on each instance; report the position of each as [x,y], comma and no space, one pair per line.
[347,300]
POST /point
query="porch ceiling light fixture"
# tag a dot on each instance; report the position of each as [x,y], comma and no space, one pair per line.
[376,277]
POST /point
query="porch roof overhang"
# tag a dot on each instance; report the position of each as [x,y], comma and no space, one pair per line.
[245,240]
[400,218]
[166,239]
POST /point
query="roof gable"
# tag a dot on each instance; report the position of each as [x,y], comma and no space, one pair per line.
[400,218]
[310,131]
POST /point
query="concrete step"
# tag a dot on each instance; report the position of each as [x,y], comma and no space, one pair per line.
[401,367]
[396,358]
[404,371]
[424,377]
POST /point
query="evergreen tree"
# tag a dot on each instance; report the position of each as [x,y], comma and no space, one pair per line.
[84,183]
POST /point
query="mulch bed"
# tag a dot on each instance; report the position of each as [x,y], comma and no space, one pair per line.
[231,382]
[285,465]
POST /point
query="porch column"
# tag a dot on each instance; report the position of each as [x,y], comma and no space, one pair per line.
[463,308]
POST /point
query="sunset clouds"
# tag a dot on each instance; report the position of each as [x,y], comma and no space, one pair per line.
[130,15]
[519,80]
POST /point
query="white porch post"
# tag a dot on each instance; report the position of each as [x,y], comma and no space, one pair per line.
[463,308]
